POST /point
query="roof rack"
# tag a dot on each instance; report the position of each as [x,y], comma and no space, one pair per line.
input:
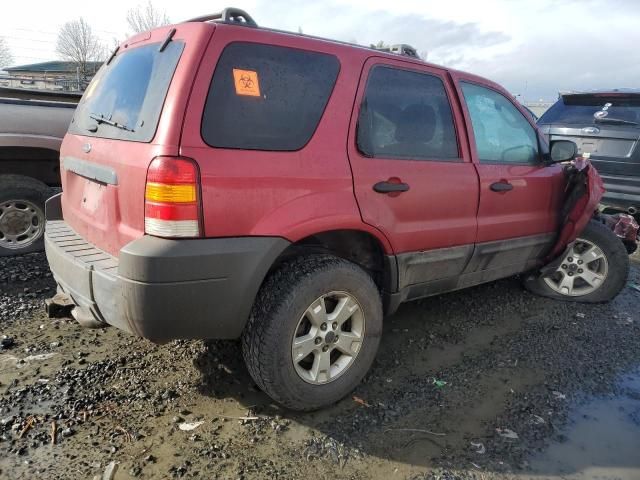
[233,16]
[400,49]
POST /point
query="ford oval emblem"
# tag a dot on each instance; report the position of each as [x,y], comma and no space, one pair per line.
[591,130]
[86,148]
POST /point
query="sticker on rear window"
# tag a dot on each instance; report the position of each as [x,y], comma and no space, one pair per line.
[246,82]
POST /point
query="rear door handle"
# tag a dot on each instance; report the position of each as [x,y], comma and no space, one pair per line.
[501,187]
[390,187]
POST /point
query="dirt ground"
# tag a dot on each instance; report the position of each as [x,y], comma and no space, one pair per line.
[485,383]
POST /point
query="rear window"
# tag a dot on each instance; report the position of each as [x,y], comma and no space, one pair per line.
[589,109]
[264,97]
[129,92]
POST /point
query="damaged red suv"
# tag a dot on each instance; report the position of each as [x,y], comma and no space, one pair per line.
[222,180]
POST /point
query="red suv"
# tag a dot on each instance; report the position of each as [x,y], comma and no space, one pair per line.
[226,181]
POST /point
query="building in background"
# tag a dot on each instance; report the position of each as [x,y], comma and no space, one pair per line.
[54,75]
[538,108]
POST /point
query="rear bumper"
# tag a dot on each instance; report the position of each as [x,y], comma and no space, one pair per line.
[162,289]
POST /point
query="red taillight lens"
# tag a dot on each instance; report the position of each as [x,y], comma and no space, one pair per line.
[172,198]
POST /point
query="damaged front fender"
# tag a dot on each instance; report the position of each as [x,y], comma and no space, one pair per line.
[583,193]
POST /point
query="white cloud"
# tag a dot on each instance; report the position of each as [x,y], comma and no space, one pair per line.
[534,48]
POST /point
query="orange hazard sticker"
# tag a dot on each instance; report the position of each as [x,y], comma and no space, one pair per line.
[246,82]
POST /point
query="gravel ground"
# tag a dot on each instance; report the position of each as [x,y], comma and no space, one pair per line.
[469,385]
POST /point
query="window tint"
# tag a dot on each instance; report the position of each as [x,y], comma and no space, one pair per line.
[130,91]
[406,115]
[502,133]
[264,97]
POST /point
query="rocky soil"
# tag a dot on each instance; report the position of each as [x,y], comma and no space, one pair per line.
[468,385]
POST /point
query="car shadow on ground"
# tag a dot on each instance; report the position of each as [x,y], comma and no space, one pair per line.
[481,378]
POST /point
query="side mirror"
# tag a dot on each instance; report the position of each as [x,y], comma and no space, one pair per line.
[563,151]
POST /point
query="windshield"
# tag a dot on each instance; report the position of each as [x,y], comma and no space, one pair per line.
[594,109]
[125,98]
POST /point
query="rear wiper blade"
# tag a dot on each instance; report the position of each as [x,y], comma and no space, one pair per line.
[618,121]
[102,119]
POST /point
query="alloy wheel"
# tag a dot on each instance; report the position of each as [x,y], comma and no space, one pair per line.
[583,270]
[328,337]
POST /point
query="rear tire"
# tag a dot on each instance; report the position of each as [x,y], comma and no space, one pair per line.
[306,316]
[595,270]
[22,218]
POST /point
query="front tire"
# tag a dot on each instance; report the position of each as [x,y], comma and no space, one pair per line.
[594,270]
[313,331]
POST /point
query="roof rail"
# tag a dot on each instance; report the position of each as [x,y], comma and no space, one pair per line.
[233,16]
[400,49]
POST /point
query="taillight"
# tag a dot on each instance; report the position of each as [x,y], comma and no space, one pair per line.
[172,198]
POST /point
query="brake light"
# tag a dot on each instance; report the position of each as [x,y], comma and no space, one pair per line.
[172,198]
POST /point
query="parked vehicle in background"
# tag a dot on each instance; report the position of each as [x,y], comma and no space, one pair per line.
[32,125]
[219,183]
[605,124]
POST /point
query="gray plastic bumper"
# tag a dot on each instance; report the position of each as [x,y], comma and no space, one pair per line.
[162,289]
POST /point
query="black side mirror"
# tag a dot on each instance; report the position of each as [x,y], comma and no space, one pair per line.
[563,151]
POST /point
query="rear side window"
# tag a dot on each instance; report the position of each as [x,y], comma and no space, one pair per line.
[264,97]
[406,115]
[128,93]
[589,109]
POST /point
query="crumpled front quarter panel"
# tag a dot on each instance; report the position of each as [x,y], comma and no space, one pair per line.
[583,209]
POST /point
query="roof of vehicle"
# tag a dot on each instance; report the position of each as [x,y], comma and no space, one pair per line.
[237,17]
[603,92]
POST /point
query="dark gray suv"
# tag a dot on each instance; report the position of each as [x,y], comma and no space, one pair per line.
[605,124]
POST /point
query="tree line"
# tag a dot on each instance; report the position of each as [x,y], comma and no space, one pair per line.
[78,43]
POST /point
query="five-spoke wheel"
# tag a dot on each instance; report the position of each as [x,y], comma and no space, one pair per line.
[593,270]
[313,331]
[583,270]
[328,337]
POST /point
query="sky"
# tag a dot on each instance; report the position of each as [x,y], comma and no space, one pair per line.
[533,48]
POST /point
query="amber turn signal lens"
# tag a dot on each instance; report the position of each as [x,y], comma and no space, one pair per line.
[159,192]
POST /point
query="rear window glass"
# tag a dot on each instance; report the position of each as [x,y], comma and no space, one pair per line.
[125,98]
[589,109]
[264,97]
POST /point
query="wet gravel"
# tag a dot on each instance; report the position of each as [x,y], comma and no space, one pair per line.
[466,385]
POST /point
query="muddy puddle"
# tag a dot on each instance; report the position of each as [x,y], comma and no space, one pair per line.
[602,440]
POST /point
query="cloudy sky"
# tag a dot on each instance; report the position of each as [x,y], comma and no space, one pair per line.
[533,48]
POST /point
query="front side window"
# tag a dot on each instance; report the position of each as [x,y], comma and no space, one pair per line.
[265,97]
[502,133]
[406,115]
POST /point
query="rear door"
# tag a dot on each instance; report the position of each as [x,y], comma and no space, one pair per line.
[520,196]
[413,178]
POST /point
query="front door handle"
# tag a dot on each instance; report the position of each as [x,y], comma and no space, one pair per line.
[503,186]
[390,187]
